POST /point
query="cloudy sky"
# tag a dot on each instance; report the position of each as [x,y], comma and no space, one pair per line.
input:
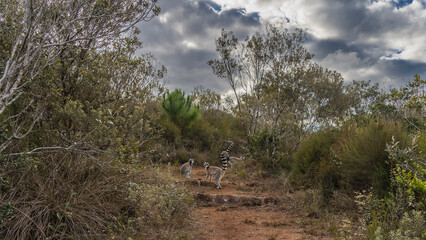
[379,40]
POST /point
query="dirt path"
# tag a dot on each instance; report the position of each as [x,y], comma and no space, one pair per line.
[240,211]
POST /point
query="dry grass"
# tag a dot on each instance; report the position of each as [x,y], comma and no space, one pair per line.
[66,196]
[60,196]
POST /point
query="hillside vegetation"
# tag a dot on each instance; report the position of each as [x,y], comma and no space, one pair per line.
[88,129]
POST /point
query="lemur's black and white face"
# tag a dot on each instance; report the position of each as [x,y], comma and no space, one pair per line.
[205,164]
[191,162]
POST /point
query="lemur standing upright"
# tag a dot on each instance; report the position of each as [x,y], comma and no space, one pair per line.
[224,157]
[185,170]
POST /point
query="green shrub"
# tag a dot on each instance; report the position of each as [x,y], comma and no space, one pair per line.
[182,156]
[269,152]
[329,179]
[412,226]
[421,145]
[179,109]
[401,213]
[199,134]
[171,133]
[313,154]
[158,204]
[365,162]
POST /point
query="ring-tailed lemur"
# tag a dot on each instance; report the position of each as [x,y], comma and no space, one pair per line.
[213,171]
[185,170]
[233,159]
[224,157]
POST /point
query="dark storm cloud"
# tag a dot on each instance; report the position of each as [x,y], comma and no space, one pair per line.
[323,47]
[341,16]
[379,42]
[374,40]
[402,70]
[183,39]
[351,19]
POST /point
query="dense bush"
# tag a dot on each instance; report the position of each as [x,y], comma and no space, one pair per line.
[71,196]
[270,152]
[401,213]
[200,135]
[313,155]
[162,209]
[350,159]
[59,196]
[364,161]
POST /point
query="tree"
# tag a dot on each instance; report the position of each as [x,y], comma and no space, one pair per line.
[364,96]
[179,109]
[207,98]
[41,34]
[408,103]
[280,92]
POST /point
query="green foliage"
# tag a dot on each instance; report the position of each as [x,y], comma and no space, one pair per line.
[350,159]
[241,173]
[182,156]
[314,163]
[179,109]
[313,152]
[364,160]
[178,113]
[70,196]
[408,176]
[421,144]
[364,96]
[269,152]
[159,204]
[225,125]
[200,134]
[412,227]
[206,98]
[406,104]
[172,133]
[400,214]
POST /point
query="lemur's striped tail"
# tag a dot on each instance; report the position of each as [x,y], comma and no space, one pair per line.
[224,156]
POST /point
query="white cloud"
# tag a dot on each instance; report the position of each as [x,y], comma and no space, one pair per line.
[190,44]
[350,65]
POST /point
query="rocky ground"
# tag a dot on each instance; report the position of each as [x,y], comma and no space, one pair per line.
[248,209]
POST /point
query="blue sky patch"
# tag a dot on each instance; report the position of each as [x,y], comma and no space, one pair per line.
[401,3]
[255,15]
[215,6]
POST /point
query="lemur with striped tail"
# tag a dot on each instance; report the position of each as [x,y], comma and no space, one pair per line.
[224,157]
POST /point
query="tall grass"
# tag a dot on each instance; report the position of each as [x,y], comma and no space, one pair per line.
[312,155]
[72,196]
[350,159]
[365,163]
[60,196]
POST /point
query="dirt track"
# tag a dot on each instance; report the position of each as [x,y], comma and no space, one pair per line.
[240,211]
